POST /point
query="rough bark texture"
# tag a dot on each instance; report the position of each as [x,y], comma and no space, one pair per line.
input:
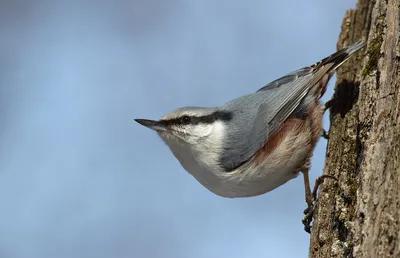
[360,215]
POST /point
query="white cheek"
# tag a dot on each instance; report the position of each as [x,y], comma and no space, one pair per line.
[210,147]
[216,135]
[201,130]
[212,141]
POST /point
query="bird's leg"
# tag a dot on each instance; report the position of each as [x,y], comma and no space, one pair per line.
[307,187]
[311,197]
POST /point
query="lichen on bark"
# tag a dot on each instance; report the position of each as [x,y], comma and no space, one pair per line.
[374,49]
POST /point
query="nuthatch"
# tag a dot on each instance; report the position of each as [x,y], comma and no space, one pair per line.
[259,141]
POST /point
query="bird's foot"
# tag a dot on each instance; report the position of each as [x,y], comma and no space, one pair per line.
[312,203]
[325,134]
[328,104]
[309,213]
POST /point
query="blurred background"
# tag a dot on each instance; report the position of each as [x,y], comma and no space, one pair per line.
[79,178]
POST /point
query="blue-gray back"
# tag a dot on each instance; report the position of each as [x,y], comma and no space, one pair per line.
[257,116]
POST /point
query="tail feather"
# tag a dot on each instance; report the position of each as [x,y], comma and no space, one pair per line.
[341,56]
[331,63]
[328,65]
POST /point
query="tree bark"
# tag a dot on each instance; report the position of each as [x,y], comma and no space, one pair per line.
[359,216]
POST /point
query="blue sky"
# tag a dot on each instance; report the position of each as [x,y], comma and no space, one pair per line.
[79,178]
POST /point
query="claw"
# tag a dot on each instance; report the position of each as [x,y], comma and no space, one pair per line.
[309,213]
[318,182]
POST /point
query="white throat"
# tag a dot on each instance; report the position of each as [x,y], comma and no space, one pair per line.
[199,153]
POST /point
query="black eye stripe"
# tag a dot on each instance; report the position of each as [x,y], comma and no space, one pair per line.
[208,119]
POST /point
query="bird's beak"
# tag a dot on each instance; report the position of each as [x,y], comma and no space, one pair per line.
[154,125]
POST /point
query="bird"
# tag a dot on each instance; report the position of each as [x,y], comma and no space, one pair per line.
[256,142]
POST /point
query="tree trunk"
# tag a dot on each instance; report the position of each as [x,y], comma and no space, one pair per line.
[359,216]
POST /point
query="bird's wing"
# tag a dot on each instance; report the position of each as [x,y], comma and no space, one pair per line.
[288,78]
[250,131]
[280,99]
[297,84]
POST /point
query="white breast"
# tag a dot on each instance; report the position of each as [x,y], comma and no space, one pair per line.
[201,161]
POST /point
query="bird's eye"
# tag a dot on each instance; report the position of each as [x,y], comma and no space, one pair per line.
[185,119]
